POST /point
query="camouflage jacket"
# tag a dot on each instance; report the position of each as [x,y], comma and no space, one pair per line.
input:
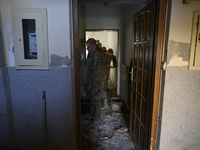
[107,59]
[101,51]
[94,72]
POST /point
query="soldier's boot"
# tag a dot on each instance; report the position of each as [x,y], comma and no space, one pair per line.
[105,104]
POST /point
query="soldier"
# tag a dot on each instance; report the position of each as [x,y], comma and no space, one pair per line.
[99,49]
[107,57]
[93,81]
[100,45]
[102,50]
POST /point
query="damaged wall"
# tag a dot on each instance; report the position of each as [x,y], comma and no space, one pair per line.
[21,90]
[178,50]
[58,26]
[180,119]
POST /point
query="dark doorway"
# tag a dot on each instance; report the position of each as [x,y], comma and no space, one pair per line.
[140,118]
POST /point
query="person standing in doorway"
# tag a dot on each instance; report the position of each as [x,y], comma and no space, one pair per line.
[93,81]
[107,57]
[102,50]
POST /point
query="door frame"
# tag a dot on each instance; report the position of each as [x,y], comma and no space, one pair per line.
[161,41]
[76,106]
[163,11]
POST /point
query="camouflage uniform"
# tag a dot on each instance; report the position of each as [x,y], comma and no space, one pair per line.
[102,50]
[106,61]
[93,77]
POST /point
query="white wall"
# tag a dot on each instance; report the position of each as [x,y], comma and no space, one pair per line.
[180,29]
[181,120]
[101,36]
[181,20]
[113,43]
[58,25]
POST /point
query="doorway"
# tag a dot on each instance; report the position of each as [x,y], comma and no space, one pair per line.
[160,5]
[109,39]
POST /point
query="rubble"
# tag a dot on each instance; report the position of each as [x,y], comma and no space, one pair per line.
[115,125]
[106,131]
[111,134]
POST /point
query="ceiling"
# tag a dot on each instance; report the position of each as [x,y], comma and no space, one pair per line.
[116,1]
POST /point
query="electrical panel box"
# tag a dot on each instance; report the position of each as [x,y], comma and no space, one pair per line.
[194,62]
[30,38]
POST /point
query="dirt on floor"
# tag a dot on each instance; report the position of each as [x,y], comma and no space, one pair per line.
[111,134]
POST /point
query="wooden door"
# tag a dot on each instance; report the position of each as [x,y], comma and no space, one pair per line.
[142,84]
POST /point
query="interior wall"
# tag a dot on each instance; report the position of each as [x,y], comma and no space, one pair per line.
[102,36]
[113,43]
[58,28]
[4,129]
[180,119]
[21,90]
[101,17]
[2,56]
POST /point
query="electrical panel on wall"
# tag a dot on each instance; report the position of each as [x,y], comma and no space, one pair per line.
[30,38]
[194,62]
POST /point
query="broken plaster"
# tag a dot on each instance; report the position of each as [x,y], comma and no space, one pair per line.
[56,60]
[177,61]
[178,53]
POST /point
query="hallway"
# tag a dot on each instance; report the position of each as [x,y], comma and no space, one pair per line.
[112,132]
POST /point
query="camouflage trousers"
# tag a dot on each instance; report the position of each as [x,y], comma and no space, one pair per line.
[96,104]
[105,78]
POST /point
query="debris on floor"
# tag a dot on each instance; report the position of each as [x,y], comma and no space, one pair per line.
[111,134]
